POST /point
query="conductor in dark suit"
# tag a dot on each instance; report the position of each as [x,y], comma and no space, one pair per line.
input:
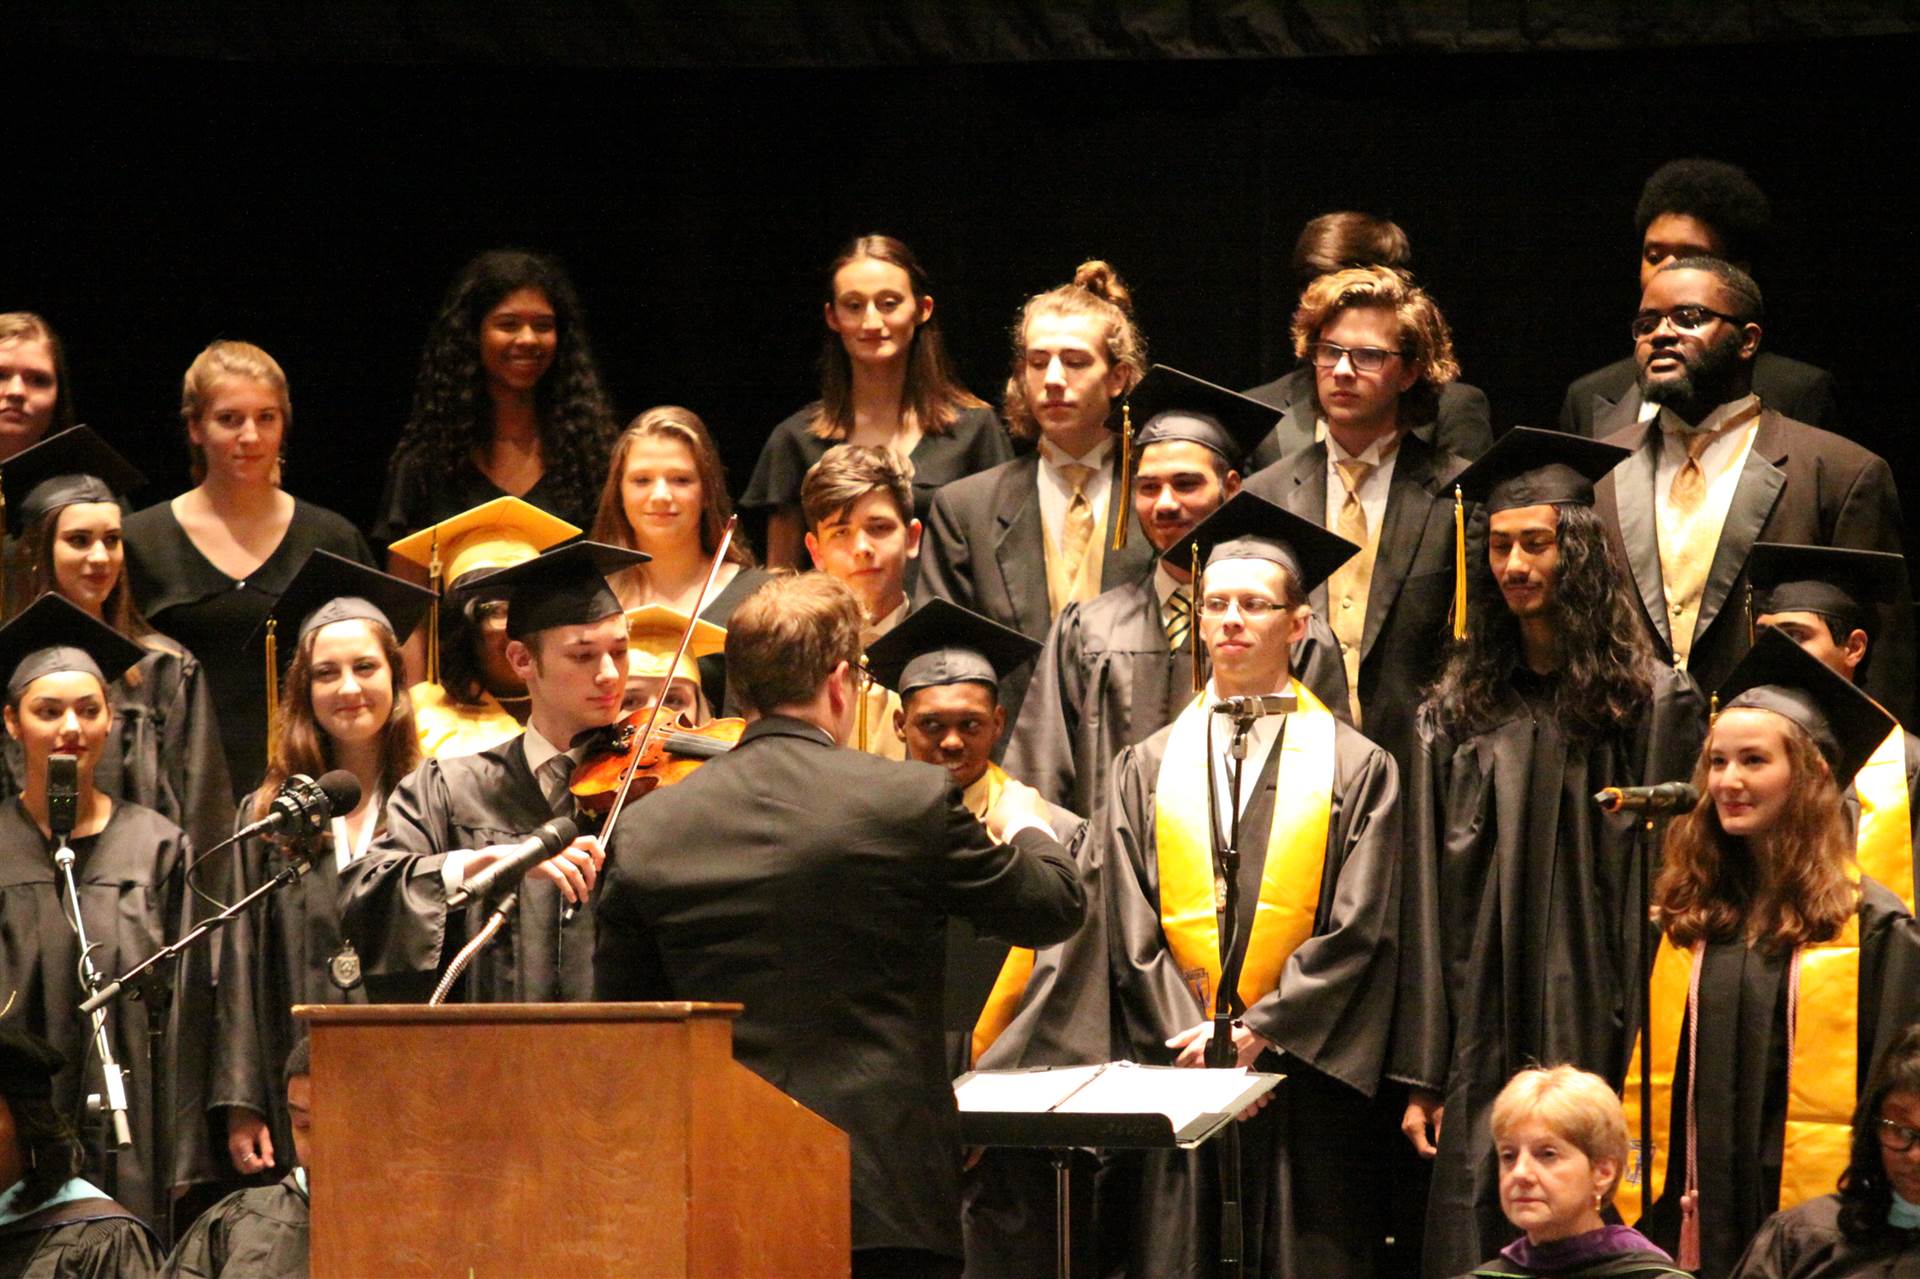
[1719,469]
[1700,208]
[813,885]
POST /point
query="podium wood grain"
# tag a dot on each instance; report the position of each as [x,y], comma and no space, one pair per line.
[573,1140]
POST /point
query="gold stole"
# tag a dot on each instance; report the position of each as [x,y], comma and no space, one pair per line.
[1822,1069]
[1011,985]
[1884,845]
[1296,850]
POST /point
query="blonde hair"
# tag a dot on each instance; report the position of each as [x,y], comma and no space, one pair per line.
[1097,290]
[683,426]
[1425,340]
[1576,1105]
[220,361]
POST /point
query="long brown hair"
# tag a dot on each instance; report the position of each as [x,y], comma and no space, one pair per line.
[933,397]
[683,426]
[300,745]
[1776,890]
[30,575]
[1097,290]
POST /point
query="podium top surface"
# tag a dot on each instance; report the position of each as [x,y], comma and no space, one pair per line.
[413,1014]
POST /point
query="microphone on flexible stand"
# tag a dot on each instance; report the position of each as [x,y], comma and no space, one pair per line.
[545,842]
[1257,707]
[305,806]
[63,795]
[1667,797]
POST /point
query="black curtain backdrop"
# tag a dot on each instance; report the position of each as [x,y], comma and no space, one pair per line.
[155,203]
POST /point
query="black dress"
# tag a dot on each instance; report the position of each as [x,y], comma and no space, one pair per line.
[213,615]
[976,443]
[423,490]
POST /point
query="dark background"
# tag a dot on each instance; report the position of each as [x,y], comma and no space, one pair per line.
[247,183]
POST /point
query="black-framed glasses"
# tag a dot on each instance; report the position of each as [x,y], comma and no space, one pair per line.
[1689,318]
[1896,1137]
[1365,359]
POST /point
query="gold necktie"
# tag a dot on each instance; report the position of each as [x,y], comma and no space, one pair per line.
[1347,588]
[1179,617]
[1066,574]
[1686,555]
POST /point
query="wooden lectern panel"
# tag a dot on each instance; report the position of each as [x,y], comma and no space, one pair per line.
[562,1139]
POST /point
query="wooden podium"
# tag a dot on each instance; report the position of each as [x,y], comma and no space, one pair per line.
[574,1140]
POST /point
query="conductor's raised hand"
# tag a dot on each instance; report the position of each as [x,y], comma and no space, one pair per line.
[574,868]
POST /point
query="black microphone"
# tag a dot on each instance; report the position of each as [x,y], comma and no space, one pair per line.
[305,806]
[63,795]
[1667,797]
[530,852]
[1257,707]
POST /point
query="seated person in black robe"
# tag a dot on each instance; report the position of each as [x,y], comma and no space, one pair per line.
[1872,1225]
[260,1232]
[1780,961]
[53,1223]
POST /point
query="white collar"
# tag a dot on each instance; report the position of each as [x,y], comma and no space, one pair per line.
[538,749]
[1056,457]
[1165,583]
[1374,454]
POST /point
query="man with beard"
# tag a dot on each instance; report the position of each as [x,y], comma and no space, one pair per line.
[1717,470]
[1119,667]
[1521,900]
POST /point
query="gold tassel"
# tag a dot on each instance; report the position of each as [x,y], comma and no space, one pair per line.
[1121,498]
[273,677]
[433,612]
[1459,565]
[1750,625]
[862,682]
[1193,621]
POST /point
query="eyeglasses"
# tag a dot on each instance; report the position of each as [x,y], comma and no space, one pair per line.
[490,613]
[1690,318]
[1365,359]
[1253,607]
[1896,1137]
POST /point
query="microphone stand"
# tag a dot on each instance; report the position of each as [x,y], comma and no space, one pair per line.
[114,1092]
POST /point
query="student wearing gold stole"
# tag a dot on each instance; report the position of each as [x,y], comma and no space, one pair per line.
[1831,601]
[1782,971]
[1319,906]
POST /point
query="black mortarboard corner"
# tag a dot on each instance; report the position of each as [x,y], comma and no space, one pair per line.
[28,1064]
[330,588]
[1778,675]
[1250,527]
[942,643]
[1171,405]
[75,465]
[52,635]
[565,586]
[1821,579]
[1529,467]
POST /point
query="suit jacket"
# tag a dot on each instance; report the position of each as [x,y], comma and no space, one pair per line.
[1412,589]
[985,549]
[1463,427]
[1801,485]
[814,885]
[1799,391]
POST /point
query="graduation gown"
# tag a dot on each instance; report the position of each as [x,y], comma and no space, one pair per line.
[1740,1101]
[274,956]
[1520,920]
[394,904]
[1107,679]
[129,879]
[1806,1243]
[260,1232]
[1310,1200]
[90,1237]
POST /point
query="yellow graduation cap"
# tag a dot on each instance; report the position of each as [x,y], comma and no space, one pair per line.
[653,632]
[496,534]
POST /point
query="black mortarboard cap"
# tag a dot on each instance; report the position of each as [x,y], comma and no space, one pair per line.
[1171,405]
[52,635]
[28,1064]
[74,465]
[1250,527]
[564,586]
[1529,467]
[330,588]
[942,643]
[1821,579]
[1778,675]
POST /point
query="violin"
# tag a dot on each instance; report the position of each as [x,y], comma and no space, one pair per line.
[661,760]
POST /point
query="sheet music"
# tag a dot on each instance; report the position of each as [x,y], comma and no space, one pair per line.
[1119,1087]
[1023,1091]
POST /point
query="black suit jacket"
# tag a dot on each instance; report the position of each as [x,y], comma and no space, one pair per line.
[1800,484]
[1463,427]
[813,885]
[1796,390]
[1412,590]
[985,549]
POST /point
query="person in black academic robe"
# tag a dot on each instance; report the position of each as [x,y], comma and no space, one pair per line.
[258,1233]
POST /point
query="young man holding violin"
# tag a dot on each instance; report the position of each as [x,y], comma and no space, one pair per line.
[452,818]
[813,885]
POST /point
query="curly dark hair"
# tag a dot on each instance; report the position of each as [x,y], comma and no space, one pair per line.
[451,415]
[1715,192]
[1865,1194]
[1606,658]
[48,1147]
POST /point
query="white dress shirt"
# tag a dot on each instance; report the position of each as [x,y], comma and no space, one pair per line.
[1260,740]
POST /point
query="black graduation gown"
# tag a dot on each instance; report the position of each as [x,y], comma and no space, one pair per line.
[1311,1200]
[1107,679]
[394,904]
[1806,1242]
[274,956]
[1740,1103]
[130,900]
[1520,914]
[260,1232]
[80,1239]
